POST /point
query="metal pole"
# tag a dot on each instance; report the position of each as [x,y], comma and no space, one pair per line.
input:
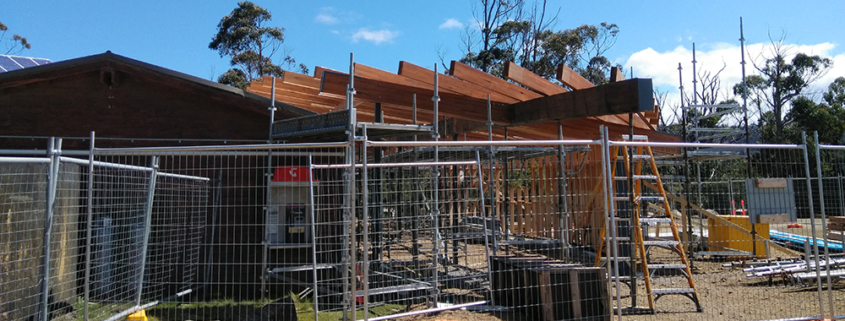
[700,202]
[415,208]
[695,91]
[610,220]
[632,247]
[484,216]
[313,236]
[435,206]
[813,223]
[148,213]
[272,109]
[747,132]
[353,126]
[841,198]
[492,183]
[366,213]
[53,151]
[686,212]
[824,227]
[267,178]
[89,222]
[563,222]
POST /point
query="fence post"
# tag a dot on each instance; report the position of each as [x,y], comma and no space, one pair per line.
[484,227]
[610,221]
[53,151]
[812,223]
[365,206]
[313,234]
[88,227]
[148,214]
[824,228]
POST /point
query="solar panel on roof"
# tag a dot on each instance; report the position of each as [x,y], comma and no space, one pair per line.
[25,61]
[8,64]
[41,61]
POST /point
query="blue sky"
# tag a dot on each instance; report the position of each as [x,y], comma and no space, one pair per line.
[655,35]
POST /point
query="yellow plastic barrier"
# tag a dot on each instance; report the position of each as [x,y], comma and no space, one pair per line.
[722,236]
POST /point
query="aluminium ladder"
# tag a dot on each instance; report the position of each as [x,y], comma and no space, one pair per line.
[638,203]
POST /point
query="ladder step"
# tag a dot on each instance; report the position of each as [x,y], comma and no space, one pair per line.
[640,138]
[634,157]
[636,177]
[660,243]
[666,266]
[652,199]
[655,220]
[672,291]
[621,258]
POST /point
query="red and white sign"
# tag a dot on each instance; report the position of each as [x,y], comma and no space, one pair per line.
[291,174]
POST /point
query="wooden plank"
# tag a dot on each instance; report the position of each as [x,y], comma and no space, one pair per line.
[368,72]
[615,98]
[452,84]
[645,120]
[616,75]
[571,78]
[451,105]
[531,80]
[296,79]
[546,300]
[483,79]
[770,182]
[836,219]
[773,218]
[318,71]
[575,293]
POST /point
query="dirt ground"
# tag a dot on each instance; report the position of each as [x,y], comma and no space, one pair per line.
[725,294]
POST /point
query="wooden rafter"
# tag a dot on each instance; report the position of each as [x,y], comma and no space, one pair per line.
[529,79]
[452,84]
[493,83]
[451,105]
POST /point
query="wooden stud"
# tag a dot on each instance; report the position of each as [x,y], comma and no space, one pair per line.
[546,299]
[575,293]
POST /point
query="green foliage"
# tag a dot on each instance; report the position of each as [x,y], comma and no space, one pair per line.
[779,82]
[508,33]
[250,45]
[17,42]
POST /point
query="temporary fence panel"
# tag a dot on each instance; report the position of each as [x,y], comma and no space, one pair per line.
[376,230]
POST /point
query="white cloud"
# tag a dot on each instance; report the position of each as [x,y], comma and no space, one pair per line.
[331,16]
[326,19]
[662,67]
[375,36]
[451,23]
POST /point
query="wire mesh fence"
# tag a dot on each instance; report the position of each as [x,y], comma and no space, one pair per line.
[574,230]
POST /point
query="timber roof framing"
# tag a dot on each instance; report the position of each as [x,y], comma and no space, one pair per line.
[529,106]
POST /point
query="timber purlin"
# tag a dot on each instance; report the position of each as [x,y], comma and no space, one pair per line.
[545,289]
